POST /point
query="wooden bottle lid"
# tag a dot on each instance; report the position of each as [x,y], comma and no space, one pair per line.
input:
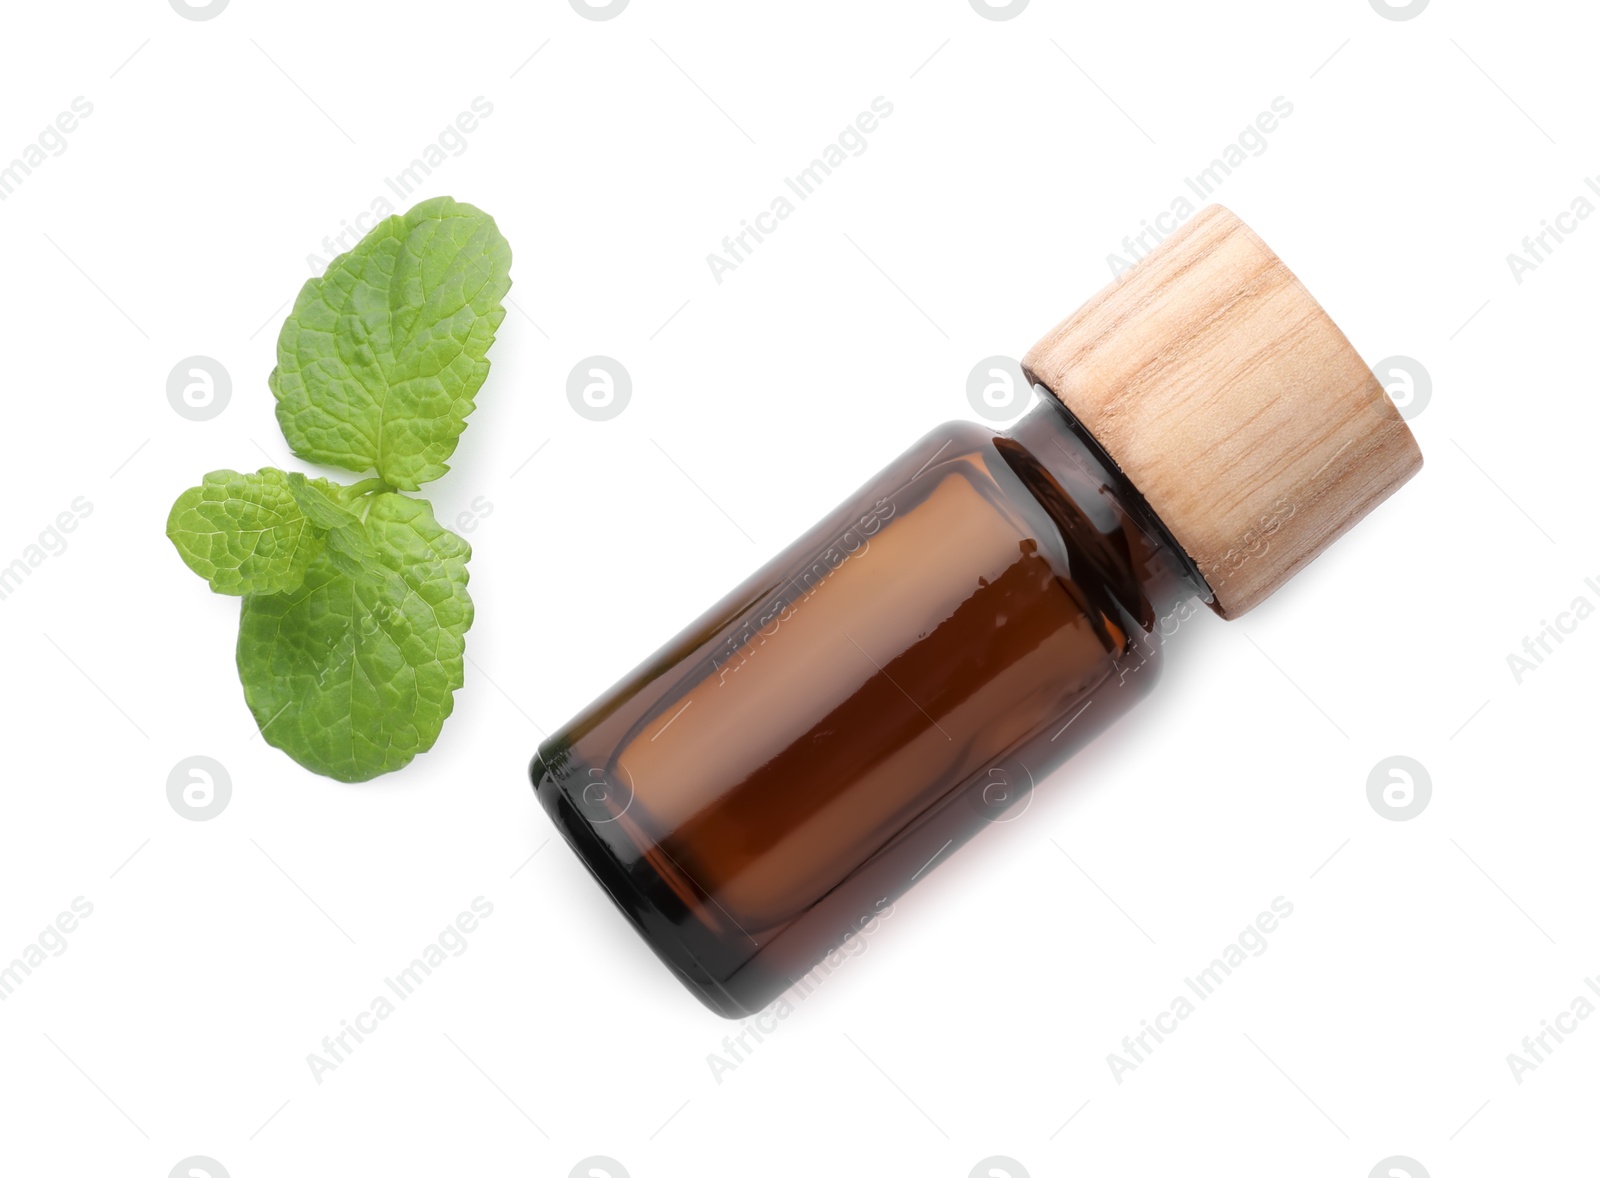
[1234,404]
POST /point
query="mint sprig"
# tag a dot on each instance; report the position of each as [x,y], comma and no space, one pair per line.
[355,607]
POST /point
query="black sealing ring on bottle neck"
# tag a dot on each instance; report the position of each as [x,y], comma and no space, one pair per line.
[1117,486]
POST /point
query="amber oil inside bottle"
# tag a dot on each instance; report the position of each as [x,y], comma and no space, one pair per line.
[838,725]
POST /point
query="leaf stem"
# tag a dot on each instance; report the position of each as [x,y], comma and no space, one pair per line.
[365,487]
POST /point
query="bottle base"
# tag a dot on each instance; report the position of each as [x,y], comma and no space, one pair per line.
[646,917]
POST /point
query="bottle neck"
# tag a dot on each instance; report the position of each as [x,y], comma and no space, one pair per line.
[1087,475]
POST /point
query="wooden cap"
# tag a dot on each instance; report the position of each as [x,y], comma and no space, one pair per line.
[1232,402]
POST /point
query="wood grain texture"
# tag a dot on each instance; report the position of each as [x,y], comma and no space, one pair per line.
[1234,404]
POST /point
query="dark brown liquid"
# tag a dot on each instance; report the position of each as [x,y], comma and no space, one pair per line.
[840,723]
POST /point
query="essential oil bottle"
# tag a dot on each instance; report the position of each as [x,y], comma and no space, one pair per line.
[837,726]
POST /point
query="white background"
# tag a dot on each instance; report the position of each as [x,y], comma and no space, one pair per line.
[977,1023]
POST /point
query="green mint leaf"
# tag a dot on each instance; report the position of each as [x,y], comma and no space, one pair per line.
[319,501]
[346,541]
[354,676]
[244,533]
[381,357]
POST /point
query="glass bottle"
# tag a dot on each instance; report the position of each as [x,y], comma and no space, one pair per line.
[767,784]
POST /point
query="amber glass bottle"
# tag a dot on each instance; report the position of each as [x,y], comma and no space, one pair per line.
[915,664]
[858,707]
